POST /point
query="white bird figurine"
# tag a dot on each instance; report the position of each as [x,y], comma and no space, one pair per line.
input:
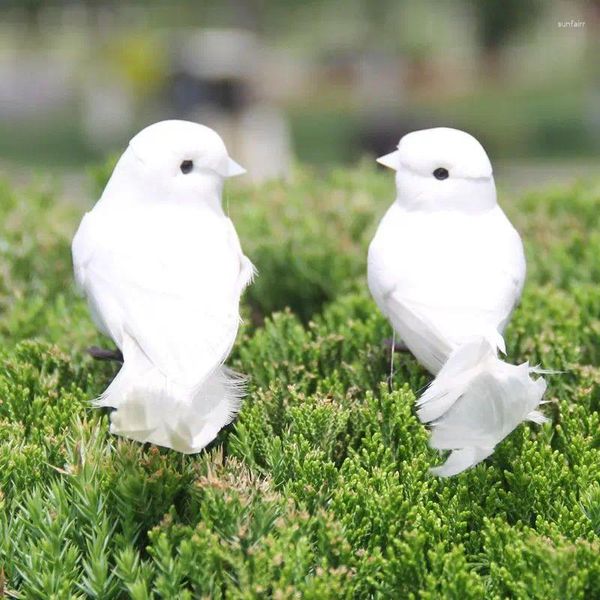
[162,269]
[447,268]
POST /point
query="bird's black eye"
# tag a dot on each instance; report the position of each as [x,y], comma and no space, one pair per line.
[441,173]
[186,166]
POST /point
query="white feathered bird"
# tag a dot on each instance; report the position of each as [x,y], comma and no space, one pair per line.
[447,268]
[162,269]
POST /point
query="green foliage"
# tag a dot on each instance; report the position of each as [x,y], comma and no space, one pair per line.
[321,487]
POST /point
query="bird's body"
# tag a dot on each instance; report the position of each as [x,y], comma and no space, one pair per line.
[447,269]
[162,269]
[464,272]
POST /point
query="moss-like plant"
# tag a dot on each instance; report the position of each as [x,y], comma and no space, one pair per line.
[320,488]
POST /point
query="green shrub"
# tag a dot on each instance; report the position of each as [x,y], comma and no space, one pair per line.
[320,488]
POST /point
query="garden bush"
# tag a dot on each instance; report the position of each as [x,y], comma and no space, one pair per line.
[320,488]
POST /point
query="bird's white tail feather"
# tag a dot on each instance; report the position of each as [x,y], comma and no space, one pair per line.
[150,408]
[475,401]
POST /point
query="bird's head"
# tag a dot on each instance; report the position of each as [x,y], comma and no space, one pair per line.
[442,169]
[176,161]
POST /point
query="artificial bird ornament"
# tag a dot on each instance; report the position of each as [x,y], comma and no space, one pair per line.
[162,269]
[447,268]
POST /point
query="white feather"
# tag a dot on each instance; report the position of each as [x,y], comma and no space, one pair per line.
[163,271]
[447,269]
[477,400]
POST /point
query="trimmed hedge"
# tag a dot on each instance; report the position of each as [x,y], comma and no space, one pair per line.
[320,489]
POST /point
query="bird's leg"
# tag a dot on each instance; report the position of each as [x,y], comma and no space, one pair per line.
[103,354]
[399,346]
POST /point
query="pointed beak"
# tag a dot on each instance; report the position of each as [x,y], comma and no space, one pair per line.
[390,160]
[233,169]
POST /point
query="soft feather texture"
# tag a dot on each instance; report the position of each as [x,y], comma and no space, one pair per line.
[163,278]
[447,269]
[151,407]
[475,401]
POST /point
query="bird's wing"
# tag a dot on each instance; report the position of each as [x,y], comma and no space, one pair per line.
[419,333]
[505,273]
[247,270]
[516,269]
[180,305]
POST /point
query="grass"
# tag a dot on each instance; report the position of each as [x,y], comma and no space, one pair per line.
[320,489]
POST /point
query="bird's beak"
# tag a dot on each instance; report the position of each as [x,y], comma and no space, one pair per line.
[390,160]
[233,169]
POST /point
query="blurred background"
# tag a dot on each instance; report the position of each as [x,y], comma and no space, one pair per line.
[319,82]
